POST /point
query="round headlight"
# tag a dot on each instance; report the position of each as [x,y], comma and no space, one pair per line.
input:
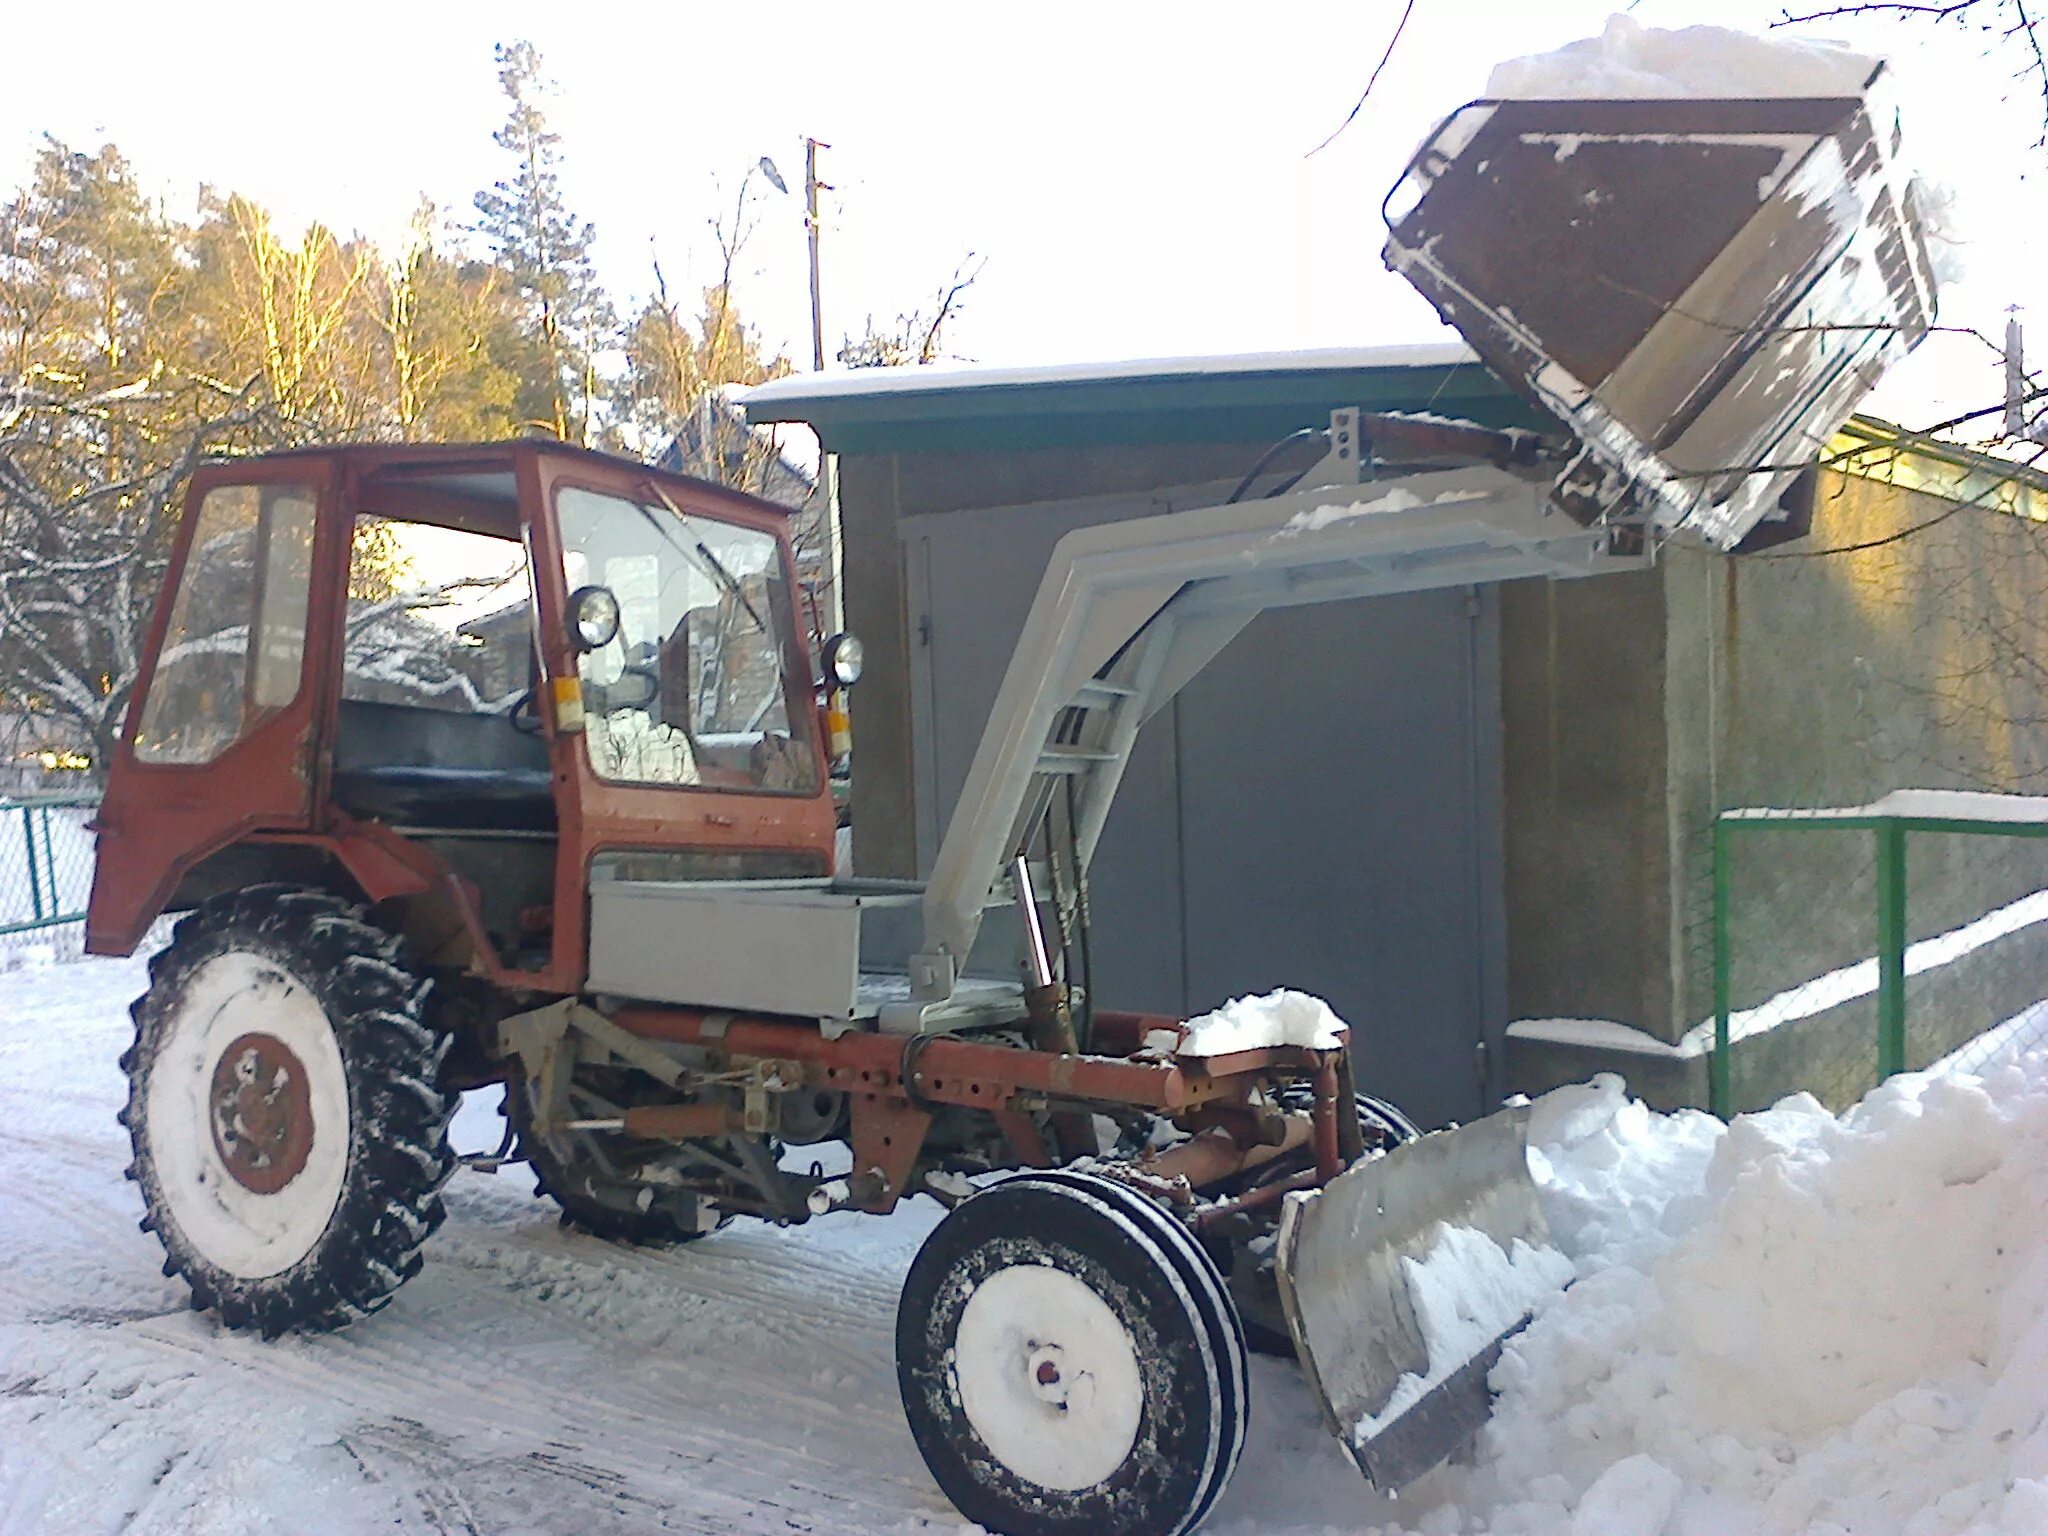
[843,658]
[594,613]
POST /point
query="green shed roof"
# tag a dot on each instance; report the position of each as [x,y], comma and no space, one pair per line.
[1201,399]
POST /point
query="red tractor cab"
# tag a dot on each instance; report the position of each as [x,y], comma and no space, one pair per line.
[462,682]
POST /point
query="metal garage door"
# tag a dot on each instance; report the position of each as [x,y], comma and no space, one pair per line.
[1318,809]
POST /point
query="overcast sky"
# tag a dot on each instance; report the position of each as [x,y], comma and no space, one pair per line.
[1137,175]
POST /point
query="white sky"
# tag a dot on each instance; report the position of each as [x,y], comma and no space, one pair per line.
[1135,173]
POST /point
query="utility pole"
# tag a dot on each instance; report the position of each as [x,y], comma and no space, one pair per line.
[812,187]
[828,489]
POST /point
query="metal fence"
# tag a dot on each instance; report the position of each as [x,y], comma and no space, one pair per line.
[1854,943]
[46,859]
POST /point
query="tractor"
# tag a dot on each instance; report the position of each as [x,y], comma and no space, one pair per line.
[508,764]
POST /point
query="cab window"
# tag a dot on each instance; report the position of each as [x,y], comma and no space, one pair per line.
[695,688]
[235,648]
[438,618]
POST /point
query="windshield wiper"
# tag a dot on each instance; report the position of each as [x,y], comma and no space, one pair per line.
[724,577]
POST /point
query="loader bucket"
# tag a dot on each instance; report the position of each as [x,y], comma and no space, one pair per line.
[1700,291]
[1347,1264]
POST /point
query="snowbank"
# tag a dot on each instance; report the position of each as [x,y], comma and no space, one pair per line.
[1630,60]
[1798,1324]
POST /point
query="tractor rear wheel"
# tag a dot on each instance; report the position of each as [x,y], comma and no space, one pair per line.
[290,1134]
[1069,1364]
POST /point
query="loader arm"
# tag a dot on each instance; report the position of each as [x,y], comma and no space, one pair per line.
[1128,613]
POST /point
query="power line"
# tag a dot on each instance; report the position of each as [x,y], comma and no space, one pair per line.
[1372,80]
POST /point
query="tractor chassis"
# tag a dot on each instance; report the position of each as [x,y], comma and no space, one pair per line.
[1023,1107]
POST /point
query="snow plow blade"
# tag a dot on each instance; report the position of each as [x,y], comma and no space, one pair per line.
[1700,291]
[1345,1288]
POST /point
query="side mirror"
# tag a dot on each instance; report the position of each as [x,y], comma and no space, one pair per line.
[593,617]
[843,658]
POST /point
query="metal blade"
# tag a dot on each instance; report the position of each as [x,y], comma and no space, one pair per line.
[1346,1295]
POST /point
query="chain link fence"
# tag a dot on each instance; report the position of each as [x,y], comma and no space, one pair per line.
[46,861]
[1853,943]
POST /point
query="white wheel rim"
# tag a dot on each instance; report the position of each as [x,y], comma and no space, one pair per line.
[1048,1377]
[234,1228]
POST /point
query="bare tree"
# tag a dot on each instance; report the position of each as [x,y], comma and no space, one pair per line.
[681,367]
[916,337]
[2011,24]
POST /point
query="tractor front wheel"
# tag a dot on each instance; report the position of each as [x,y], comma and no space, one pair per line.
[290,1134]
[1069,1364]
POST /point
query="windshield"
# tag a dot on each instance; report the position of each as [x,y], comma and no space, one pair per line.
[693,689]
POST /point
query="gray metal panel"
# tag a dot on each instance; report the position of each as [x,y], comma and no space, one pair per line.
[1329,764]
[769,947]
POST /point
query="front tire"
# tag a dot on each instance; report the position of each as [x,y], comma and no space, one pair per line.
[290,1135]
[1061,1375]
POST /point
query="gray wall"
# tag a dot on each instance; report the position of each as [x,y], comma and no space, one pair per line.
[1635,708]
[876,492]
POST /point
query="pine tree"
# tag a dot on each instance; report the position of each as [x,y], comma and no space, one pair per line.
[545,252]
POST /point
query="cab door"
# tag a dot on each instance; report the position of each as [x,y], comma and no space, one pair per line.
[685,739]
[219,737]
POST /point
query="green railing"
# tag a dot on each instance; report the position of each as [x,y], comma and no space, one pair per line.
[1877,881]
[46,858]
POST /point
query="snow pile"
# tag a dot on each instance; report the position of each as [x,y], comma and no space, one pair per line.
[1629,60]
[1254,1023]
[1802,1325]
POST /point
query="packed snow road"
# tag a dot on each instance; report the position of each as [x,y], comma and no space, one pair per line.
[1803,1326]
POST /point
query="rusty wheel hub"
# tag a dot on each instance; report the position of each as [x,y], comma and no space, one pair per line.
[261,1112]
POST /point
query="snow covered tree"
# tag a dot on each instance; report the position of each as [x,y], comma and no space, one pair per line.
[544,250]
[102,414]
[133,344]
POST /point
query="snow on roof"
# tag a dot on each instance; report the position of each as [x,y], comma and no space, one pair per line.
[851,383]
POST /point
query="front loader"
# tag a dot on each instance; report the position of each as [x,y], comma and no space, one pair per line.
[505,763]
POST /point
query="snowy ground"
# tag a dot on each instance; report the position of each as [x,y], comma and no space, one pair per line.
[1804,1325]
[529,1381]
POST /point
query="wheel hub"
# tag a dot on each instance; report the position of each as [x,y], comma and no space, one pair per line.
[1048,1375]
[260,1108]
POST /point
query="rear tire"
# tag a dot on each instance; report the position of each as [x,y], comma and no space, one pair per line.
[289,1131]
[1061,1375]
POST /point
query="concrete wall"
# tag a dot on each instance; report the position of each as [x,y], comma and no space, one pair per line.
[1636,709]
